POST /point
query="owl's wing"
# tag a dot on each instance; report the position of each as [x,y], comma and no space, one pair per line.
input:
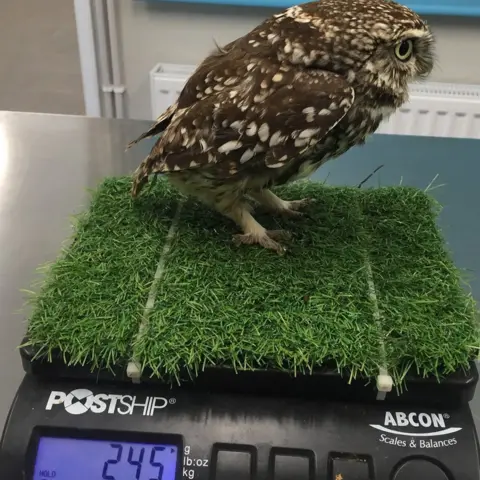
[265,121]
[196,87]
[158,127]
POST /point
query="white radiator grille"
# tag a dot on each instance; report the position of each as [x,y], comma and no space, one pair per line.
[438,110]
[166,82]
[434,109]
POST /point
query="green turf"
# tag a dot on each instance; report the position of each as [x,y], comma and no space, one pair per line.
[366,284]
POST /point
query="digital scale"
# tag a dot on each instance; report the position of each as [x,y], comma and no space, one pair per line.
[79,428]
[72,424]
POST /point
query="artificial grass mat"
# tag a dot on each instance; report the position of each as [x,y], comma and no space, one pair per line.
[367,284]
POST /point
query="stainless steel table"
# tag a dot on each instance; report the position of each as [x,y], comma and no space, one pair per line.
[48,161]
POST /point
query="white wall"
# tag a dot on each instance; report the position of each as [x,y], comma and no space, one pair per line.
[184,33]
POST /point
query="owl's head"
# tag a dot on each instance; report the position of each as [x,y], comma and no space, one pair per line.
[374,42]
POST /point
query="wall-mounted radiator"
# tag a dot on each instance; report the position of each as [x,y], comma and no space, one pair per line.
[434,109]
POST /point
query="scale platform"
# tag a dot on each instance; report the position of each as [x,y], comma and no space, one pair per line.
[156,349]
[366,299]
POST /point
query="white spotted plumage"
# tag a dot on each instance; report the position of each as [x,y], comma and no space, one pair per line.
[274,105]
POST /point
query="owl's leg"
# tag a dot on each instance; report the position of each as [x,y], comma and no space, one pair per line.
[230,202]
[269,200]
[238,210]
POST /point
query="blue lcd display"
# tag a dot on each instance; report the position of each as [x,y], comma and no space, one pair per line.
[78,459]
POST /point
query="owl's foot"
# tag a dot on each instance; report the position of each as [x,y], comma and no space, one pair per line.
[253,232]
[291,208]
[282,207]
[267,239]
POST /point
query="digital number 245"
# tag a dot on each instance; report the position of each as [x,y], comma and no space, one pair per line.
[136,463]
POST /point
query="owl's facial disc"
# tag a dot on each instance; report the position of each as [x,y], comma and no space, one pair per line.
[413,53]
[402,57]
[420,62]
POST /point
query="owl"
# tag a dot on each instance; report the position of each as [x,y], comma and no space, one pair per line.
[271,107]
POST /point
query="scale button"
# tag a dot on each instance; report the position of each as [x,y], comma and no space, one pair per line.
[292,463]
[233,462]
[419,468]
[350,467]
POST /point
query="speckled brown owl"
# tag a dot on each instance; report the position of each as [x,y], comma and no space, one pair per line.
[274,105]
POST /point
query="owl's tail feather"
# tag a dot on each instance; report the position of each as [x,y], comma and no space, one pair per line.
[150,165]
[137,186]
[140,177]
[158,127]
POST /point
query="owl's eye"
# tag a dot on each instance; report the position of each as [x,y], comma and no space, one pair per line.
[404,50]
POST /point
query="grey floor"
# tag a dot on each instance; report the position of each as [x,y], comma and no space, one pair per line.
[39,61]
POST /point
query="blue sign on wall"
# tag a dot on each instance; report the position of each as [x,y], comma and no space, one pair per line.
[468,8]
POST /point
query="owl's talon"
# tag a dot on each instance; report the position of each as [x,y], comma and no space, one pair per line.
[280,235]
[291,213]
[267,240]
[294,206]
